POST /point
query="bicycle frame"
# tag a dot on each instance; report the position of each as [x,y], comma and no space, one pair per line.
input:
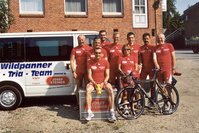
[149,98]
[156,84]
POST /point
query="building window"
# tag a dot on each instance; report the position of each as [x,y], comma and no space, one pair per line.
[31,6]
[140,19]
[164,5]
[186,18]
[76,7]
[112,7]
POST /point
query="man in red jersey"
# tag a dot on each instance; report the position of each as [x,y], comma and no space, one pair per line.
[135,49]
[104,40]
[114,52]
[96,44]
[164,59]
[98,74]
[78,58]
[146,58]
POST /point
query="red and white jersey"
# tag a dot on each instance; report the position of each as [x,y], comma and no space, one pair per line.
[105,45]
[135,49]
[80,53]
[114,52]
[146,52]
[98,69]
[127,63]
[164,55]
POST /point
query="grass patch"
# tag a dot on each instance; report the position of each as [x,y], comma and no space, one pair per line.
[117,126]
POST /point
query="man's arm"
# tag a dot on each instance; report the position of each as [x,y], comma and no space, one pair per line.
[173,59]
[139,59]
[72,65]
[107,71]
[155,61]
[120,70]
[90,78]
[138,66]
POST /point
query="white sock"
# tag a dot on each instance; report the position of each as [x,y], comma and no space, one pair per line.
[112,110]
[89,111]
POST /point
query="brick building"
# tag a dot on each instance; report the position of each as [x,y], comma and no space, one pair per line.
[191,21]
[137,16]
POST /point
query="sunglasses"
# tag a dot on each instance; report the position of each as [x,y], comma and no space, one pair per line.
[97,52]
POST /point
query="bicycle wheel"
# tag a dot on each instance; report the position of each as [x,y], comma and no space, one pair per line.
[169,101]
[129,103]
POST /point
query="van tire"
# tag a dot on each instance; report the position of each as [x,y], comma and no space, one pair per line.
[10,97]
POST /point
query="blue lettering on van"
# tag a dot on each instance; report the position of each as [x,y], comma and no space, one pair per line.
[15,74]
[34,73]
[21,66]
[41,73]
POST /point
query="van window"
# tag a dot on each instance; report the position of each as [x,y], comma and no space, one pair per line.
[48,48]
[11,50]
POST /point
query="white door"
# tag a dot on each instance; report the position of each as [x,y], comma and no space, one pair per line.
[47,69]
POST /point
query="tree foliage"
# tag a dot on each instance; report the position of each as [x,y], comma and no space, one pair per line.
[6,18]
[171,18]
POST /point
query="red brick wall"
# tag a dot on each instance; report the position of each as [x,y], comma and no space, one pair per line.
[54,19]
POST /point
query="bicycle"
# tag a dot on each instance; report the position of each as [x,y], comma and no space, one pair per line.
[166,99]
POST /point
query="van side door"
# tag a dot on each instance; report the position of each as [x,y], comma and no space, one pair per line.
[48,59]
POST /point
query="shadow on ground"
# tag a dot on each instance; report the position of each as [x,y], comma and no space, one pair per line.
[63,105]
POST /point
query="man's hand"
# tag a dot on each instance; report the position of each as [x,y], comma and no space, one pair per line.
[74,75]
[105,82]
[157,67]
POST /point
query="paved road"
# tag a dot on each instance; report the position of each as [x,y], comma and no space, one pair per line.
[186,54]
[188,84]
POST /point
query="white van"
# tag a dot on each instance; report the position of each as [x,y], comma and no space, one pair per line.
[36,64]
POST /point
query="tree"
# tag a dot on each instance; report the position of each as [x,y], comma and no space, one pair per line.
[6,18]
[174,25]
[171,18]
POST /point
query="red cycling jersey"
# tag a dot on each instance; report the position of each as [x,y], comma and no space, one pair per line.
[105,45]
[114,52]
[127,63]
[98,68]
[146,53]
[135,49]
[80,53]
[164,56]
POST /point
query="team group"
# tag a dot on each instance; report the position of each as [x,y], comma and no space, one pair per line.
[105,62]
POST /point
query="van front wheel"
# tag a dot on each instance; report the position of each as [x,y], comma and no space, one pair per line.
[10,97]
